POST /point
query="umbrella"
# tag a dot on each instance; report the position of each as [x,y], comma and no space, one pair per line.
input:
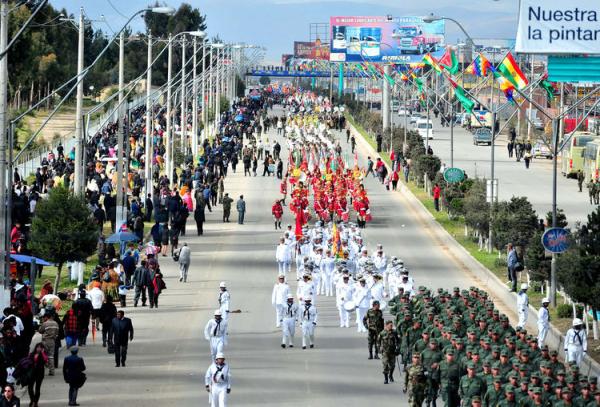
[239,118]
[121,237]
[21,258]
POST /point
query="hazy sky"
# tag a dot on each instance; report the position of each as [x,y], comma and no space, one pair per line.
[276,24]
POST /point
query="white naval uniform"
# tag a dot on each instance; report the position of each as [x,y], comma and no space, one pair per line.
[362,296]
[224,299]
[380,263]
[317,272]
[309,321]
[543,324]
[216,334]
[290,317]
[303,251]
[377,292]
[327,275]
[279,299]
[218,378]
[283,257]
[343,293]
[393,282]
[575,345]
[306,289]
[522,308]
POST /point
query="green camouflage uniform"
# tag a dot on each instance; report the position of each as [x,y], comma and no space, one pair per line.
[415,383]
[449,378]
[373,321]
[389,345]
[469,387]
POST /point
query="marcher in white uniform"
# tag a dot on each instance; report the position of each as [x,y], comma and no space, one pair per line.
[290,317]
[380,260]
[576,342]
[283,256]
[343,293]
[215,332]
[327,269]
[377,290]
[309,321]
[281,290]
[362,296]
[303,250]
[305,289]
[218,381]
[522,305]
[543,322]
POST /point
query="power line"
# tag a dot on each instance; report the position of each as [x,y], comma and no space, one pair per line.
[116,10]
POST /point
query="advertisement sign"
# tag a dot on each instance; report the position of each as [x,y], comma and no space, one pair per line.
[578,69]
[311,50]
[558,27]
[385,39]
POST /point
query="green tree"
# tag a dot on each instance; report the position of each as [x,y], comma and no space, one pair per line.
[535,259]
[63,230]
[514,222]
[427,164]
[476,208]
[561,219]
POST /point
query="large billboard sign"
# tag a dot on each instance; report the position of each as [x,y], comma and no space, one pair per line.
[385,39]
[311,50]
[559,27]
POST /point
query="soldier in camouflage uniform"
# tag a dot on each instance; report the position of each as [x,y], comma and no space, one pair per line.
[449,378]
[470,385]
[389,345]
[415,380]
[373,321]
[409,338]
[431,358]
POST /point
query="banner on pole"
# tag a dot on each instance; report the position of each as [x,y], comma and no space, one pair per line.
[559,27]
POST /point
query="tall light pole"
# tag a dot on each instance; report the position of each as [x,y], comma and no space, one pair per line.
[79,181]
[217,88]
[203,92]
[4,233]
[121,209]
[195,103]
[210,85]
[169,140]
[149,148]
[183,100]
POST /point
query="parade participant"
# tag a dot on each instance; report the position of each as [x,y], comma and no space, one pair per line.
[327,268]
[575,342]
[414,382]
[290,317]
[224,299]
[389,345]
[373,322]
[281,291]
[277,211]
[305,289]
[362,295]
[218,381]
[522,305]
[309,321]
[543,321]
[283,256]
[215,332]
[344,292]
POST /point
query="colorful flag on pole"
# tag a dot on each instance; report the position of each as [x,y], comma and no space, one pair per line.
[479,66]
[511,71]
[449,61]
[429,60]
[548,87]
[459,92]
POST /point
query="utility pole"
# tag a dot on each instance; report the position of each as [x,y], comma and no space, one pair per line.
[169,139]
[121,210]
[217,91]
[183,101]
[195,103]
[4,186]
[148,149]
[210,87]
[79,160]
[202,91]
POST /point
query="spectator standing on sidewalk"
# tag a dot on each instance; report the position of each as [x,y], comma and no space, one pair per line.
[437,191]
[241,208]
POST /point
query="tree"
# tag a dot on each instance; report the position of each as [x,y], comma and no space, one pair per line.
[63,230]
[476,208]
[561,219]
[535,259]
[514,222]
[427,164]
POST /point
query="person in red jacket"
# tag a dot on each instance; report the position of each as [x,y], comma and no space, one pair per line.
[277,211]
[395,178]
[437,191]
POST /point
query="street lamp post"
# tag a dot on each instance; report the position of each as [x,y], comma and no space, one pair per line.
[148,148]
[121,209]
[169,135]
[79,160]
[183,101]
[194,103]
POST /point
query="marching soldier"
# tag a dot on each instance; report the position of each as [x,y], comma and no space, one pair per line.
[470,385]
[309,321]
[449,379]
[431,358]
[215,332]
[415,382]
[389,345]
[290,317]
[373,321]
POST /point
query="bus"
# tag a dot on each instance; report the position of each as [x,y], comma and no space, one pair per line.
[591,160]
[572,154]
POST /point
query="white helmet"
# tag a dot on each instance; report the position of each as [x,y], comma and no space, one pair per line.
[577,321]
[220,355]
[545,300]
[218,312]
[222,285]
[524,286]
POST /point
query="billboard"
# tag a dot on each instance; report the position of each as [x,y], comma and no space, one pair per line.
[385,39]
[558,27]
[311,50]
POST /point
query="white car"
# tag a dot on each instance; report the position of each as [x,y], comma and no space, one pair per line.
[403,111]
[414,118]
[425,129]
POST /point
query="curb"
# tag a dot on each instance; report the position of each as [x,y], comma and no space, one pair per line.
[493,284]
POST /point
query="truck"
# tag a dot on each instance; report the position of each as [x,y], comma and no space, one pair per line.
[413,39]
[481,118]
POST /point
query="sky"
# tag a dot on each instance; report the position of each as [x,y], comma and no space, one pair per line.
[276,24]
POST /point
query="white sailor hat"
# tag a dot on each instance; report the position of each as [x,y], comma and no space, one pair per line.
[220,355]
[218,312]
[222,285]
[290,297]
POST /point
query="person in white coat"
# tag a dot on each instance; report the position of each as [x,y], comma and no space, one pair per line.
[224,299]
[377,290]
[309,321]
[218,381]
[185,258]
[362,297]
[522,305]
[215,332]
[576,342]
[305,289]
[327,270]
[283,256]
[543,322]
[343,292]
[289,319]
[380,260]
[281,290]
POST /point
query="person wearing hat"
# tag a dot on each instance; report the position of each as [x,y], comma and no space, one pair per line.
[290,317]
[509,397]
[281,291]
[522,305]
[327,269]
[306,287]
[494,393]
[309,321]
[218,381]
[224,299]
[215,332]
[283,256]
[373,322]
[362,294]
[389,345]
[449,379]
[344,292]
[73,373]
[431,358]
[585,397]
[415,381]
[575,342]
[543,322]
[227,201]
[50,331]
[470,385]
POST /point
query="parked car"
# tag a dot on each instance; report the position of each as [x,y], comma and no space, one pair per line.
[541,150]
[425,128]
[414,117]
[403,111]
[482,135]
[395,105]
